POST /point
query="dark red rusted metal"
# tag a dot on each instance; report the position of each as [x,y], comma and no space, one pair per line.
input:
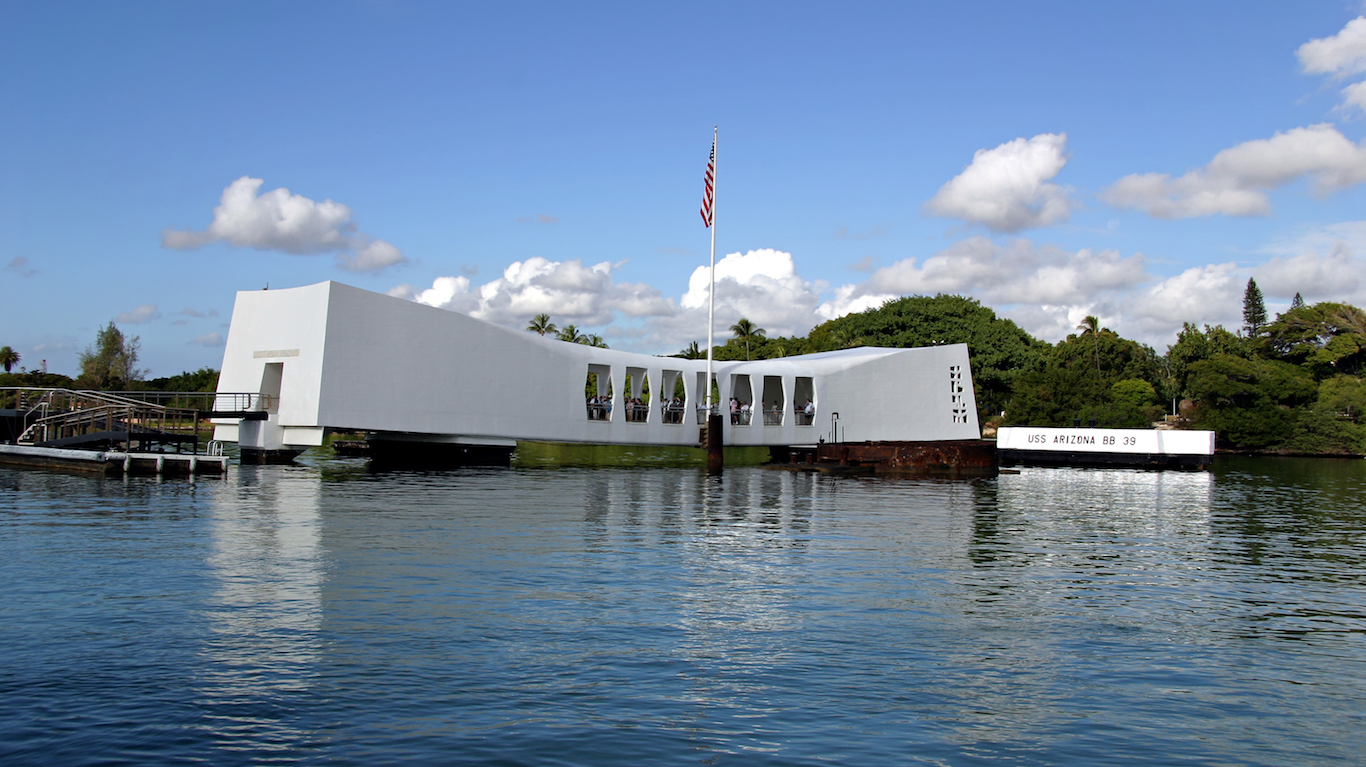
[946,458]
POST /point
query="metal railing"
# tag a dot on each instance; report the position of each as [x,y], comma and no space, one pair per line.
[78,417]
[702,412]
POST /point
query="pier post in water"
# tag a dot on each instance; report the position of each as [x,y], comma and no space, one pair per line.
[715,453]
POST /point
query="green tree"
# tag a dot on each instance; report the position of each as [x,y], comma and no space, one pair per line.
[1135,402]
[1327,339]
[745,330]
[201,380]
[1090,326]
[1194,345]
[1249,403]
[1069,386]
[541,324]
[998,349]
[111,364]
[593,340]
[571,334]
[693,351]
[1254,310]
[8,358]
[1297,302]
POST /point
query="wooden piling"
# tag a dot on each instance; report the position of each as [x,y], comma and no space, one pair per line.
[716,458]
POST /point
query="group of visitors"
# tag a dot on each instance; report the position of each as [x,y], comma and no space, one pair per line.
[741,413]
[600,408]
[672,410]
[637,410]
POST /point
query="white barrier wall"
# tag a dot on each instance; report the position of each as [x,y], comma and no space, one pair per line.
[341,358]
[1137,441]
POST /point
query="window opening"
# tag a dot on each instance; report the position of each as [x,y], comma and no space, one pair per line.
[637,391]
[804,400]
[597,389]
[671,407]
[741,403]
[774,403]
[701,405]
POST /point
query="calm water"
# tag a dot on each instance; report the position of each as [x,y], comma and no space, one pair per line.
[322,614]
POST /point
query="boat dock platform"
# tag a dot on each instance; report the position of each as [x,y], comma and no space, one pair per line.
[114,462]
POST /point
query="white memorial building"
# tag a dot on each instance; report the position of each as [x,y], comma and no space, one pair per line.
[330,357]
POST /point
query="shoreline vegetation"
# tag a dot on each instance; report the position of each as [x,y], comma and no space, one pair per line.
[1284,386]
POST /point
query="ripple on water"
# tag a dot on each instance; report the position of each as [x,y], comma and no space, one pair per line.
[615,616]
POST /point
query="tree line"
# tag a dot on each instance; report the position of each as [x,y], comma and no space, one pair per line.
[109,364]
[1289,384]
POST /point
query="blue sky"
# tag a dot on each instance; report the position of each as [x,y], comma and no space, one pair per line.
[1053,160]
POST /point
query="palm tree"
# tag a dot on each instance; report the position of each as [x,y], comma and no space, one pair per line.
[692,352]
[1091,326]
[8,358]
[847,339]
[745,330]
[593,340]
[571,334]
[541,324]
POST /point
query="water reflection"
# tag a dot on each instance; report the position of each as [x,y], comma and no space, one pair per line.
[264,612]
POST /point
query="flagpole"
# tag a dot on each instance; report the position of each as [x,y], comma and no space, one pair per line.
[711,292]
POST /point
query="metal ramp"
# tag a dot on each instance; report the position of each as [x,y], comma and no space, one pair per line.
[145,421]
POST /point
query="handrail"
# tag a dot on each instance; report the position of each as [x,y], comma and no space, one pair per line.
[225,401]
[133,417]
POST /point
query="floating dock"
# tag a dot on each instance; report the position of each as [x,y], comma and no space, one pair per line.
[113,462]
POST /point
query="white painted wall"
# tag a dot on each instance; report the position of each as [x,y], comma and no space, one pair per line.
[1138,441]
[360,361]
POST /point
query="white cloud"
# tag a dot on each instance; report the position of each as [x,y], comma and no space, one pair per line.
[1236,181]
[1045,289]
[1006,189]
[144,313]
[1320,264]
[278,220]
[761,285]
[209,339]
[1340,55]
[1205,294]
[566,290]
[1354,95]
[1017,273]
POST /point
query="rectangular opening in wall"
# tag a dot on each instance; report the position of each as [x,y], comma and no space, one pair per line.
[741,400]
[804,400]
[637,393]
[597,389]
[674,400]
[774,404]
[701,405]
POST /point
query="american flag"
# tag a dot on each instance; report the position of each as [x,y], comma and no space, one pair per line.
[707,201]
